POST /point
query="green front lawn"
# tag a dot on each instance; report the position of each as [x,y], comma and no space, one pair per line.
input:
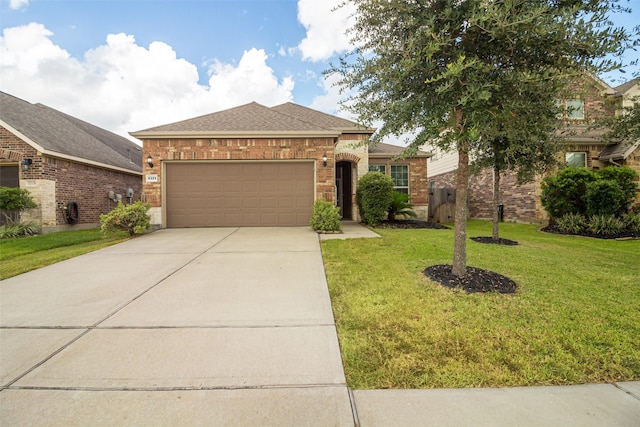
[28,253]
[574,319]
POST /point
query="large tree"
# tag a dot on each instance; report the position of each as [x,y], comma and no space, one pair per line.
[457,73]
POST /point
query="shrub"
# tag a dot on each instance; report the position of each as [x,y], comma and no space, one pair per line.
[132,218]
[374,196]
[605,197]
[563,193]
[631,221]
[625,177]
[605,225]
[326,217]
[12,202]
[400,206]
[572,223]
[13,230]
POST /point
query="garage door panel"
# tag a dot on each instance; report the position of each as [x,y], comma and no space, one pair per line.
[239,194]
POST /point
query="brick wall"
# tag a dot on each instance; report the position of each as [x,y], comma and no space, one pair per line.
[87,185]
[239,149]
[418,182]
[596,104]
[519,200]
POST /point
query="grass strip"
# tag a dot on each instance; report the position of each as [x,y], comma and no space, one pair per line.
[24,254]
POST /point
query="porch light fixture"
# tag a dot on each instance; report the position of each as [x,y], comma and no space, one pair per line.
[25,164]
[324,159]
[150,161]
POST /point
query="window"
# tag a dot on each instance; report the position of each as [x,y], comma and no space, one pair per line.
[9,176]
[576,159]
[378,168]
[575,109]
[400,176]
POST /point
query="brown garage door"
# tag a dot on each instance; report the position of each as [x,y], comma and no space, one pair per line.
[239,194]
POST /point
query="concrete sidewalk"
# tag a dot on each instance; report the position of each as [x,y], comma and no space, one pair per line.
[226,327]
[178,327]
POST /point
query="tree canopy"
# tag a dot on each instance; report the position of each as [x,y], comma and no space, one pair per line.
[461,74]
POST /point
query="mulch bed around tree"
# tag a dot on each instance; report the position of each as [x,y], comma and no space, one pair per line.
[489,239]
[411,223]
[476,280]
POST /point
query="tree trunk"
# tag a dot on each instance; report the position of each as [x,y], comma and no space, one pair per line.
[496,201]
[460,227]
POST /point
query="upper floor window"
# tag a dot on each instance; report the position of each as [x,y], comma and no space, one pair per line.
[400,176]
[378,168]
[575,109]
[576,159]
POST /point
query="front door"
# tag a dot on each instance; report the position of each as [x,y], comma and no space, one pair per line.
[344,189]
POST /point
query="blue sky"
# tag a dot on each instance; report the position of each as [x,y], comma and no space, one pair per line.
[129,65]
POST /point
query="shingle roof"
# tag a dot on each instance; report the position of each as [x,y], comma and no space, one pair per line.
[256,120]
[623,88]
[246,120]
[618,151]
[326,120]
[390,150]
[58,134]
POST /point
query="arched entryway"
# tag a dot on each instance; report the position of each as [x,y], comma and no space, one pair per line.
[344,188]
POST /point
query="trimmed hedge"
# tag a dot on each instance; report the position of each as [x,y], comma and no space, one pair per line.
[374,196]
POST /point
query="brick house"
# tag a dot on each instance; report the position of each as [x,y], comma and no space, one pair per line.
[74,171]
[264,166]
[590,98]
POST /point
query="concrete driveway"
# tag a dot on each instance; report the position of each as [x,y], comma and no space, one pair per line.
[179,327]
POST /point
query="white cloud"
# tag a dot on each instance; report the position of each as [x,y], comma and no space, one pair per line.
[251,80]
[326,24]
[330,100]
[124,87]
[17,4]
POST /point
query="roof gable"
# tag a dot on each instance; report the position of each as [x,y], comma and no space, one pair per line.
[58,134]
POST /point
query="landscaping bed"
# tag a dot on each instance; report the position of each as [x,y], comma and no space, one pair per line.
[411,223]
[623,234]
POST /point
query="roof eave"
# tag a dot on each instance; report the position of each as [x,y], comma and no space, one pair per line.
[390,155]
[368,131]
[232,134]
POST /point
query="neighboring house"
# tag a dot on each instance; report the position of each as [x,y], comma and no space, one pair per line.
[592,99]
[258,166]
[74,171]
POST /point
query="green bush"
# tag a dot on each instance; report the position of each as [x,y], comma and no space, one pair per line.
[374,196]
[13,230]
[572,223]
[631,221]
[605,225]
[326,217]
[564,193]
[605,197]
[132,218]
[12,202]
[400,206]
[625,177]
[610,191]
